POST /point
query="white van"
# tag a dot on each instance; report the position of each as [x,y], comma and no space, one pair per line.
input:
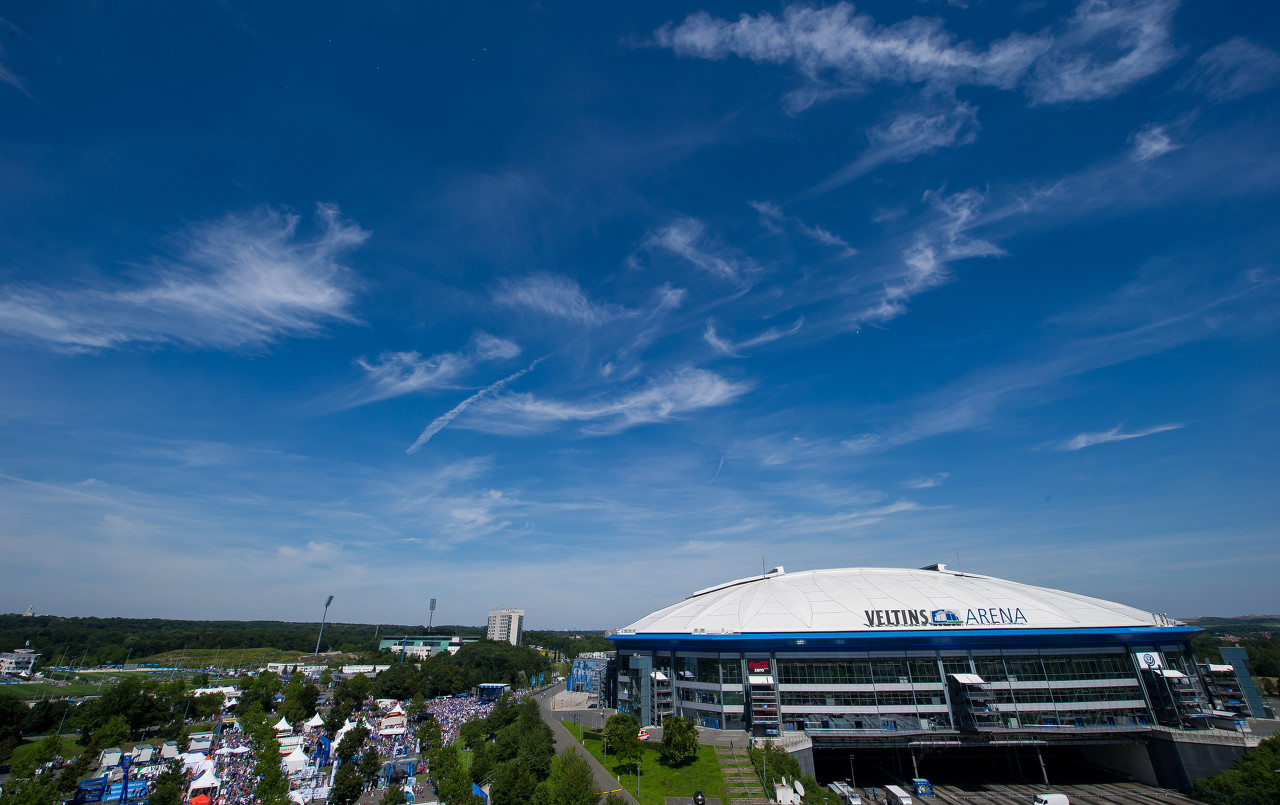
[897,796]
[1051,799]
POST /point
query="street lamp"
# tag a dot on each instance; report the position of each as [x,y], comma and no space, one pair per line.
[323,618]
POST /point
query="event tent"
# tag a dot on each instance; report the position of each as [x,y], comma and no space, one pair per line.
[296,760]
[168,751]
[314,721]
[283,725]
[204,781]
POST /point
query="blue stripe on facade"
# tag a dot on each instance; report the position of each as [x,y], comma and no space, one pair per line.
[940,638]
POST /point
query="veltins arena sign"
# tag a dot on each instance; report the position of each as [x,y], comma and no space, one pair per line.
[982,616]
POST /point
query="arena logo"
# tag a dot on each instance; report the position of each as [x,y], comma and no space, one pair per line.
[989,616]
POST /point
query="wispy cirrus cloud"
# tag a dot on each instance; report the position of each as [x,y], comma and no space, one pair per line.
[1105,48]
[1233,69]
[665,398]
[441,422]
[926,481]
[1083,440]
[773,215]
[688,238]
[8,76]
[906,136]
[246,280]
[1151,141]
[734,349]
[553,295]
[934,247]
[1100,51]
[393,374]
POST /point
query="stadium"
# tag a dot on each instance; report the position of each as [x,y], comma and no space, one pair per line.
[904,666]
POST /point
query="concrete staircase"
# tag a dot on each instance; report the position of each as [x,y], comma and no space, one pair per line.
[741,785]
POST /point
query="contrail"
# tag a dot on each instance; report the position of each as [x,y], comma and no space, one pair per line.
[717,475]
[442,421]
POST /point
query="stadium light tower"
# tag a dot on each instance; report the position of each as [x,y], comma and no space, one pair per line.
[323,618]
[431,615]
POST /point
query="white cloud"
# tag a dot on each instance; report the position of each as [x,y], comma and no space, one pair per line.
[907,136]
[687,238]
[6,75]
[932,250]
[926,482]
[1083,440]
[442,421]
[664,399]
[1106,48]
[553,295]
[1234,69]
[1100,51]
[1151,141]
[246,280]
[772,214]
[734,350]
[394,374]
[852,46]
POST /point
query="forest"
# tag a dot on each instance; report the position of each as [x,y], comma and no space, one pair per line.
[112,641]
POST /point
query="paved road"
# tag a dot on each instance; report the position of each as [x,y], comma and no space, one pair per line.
[564,740]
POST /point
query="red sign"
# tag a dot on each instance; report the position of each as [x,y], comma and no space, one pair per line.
[757,666]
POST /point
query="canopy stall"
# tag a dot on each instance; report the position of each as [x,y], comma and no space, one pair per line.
[296,761]
[207,780]
[283,725]
[314,721]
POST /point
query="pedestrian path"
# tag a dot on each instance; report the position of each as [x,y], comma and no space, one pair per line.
[741,785]
[563,741]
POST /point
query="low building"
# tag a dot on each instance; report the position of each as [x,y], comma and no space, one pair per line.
[423,646]
[19,661]
[594,674]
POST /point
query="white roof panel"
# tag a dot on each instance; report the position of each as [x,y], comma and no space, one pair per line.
[882,599]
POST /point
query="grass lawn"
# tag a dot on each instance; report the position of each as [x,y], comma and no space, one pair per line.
[41,690]
[198,658]
[656,780]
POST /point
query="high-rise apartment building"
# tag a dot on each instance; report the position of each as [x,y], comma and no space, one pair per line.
[506,625]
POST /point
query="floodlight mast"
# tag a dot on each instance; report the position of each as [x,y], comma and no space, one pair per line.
[323,618]
[431,615]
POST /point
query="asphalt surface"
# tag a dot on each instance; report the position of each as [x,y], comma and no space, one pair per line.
[564,741]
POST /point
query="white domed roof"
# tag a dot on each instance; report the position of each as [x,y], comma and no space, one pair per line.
[859,599]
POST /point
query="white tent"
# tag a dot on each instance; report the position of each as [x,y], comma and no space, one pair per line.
[142,754]
[193,759]
[205,780]
[347,727]
[397,710]
[296,761]
[168,751]
[283,725]
[109,758]
[240,750]
[315,721]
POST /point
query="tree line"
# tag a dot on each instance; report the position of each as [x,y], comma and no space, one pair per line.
[112,641]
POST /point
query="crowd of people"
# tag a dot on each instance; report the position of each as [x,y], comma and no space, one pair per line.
[232,759]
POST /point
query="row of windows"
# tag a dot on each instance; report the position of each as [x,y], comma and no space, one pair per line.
[1123,694]
[856,671]
[1032,668]
[883,670]
[859,698]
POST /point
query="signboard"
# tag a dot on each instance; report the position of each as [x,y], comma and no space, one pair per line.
[757,666]
[1148,659]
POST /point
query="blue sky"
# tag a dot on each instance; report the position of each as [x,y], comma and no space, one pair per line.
[580,308]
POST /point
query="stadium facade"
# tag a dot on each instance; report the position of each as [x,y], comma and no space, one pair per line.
[930,659]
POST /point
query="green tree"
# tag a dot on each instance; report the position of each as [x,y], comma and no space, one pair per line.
[351,743]
[417,707]
[571,782]
[39,790]
[679,741]
[347,785]
[169,785]
[621,735]
[1252,777]
[112,733]
[394,796]
[515,784]
[370,765]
